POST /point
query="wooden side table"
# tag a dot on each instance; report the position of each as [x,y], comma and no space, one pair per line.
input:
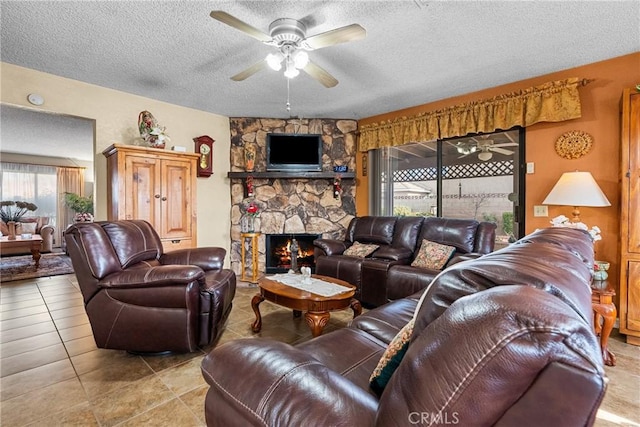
[254,256]
[604,316]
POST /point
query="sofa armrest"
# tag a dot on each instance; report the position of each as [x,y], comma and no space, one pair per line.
[210,258]
[280,386]
[46,232]
[163,275]
[331,246]
[394,254]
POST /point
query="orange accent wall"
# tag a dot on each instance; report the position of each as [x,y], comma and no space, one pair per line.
[600,118]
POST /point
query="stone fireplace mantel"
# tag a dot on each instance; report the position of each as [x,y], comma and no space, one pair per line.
[291,175]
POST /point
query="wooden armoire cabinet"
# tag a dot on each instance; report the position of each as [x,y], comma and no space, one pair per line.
[630,218]
[155,185]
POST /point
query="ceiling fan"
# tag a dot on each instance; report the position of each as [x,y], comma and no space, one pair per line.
[485,149]
[289,37]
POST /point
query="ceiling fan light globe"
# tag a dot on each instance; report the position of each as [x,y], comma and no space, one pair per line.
[301,59]
[485,155]
[275,61]
[291,72]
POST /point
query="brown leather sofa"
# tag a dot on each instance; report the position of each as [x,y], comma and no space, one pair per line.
[506,339]
[387,274]
[143,300]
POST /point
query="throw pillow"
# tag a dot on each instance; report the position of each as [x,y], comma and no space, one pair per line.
[433,255]
[391,359]
[360,250]
[27,227]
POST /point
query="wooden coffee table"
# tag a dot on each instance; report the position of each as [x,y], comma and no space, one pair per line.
[34,244]
[316,307]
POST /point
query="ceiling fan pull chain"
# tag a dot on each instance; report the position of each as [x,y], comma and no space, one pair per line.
[288,103]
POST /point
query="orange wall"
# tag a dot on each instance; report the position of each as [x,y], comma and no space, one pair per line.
[600,118]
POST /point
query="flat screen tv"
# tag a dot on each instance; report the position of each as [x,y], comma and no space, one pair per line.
[294,152]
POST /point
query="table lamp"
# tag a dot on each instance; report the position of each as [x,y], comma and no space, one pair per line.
[576,189]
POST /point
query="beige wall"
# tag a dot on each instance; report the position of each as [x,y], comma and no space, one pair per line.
[116,117]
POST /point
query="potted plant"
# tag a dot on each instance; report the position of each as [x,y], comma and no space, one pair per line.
[81,205]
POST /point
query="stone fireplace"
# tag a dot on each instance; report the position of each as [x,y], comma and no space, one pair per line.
[278,251]
[291,205]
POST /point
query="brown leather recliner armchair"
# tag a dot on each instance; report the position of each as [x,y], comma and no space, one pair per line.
[143,300]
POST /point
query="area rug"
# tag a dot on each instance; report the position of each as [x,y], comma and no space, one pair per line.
[22,267]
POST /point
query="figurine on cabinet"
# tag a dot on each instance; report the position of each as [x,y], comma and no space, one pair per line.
[204,147]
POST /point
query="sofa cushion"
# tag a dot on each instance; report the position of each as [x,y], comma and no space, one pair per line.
[360,250]
[460,233]
[433,255]
[374,229]
[391,358]
[27,227]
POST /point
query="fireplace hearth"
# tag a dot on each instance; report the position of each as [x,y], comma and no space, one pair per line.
[278,253]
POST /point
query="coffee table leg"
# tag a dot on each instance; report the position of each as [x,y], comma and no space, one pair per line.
[255,302]
[317,321]
[35,253]
[356,307]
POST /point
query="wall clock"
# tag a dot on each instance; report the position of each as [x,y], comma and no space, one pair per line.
[204,147]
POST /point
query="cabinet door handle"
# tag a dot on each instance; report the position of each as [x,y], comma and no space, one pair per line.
[157,196]
[175,241]
[164,199]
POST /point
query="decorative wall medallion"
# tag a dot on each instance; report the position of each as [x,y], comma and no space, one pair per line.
[573,144]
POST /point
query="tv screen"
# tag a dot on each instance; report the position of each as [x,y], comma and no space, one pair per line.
[294,152]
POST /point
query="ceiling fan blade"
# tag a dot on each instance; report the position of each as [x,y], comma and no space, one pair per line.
[505,144]
[501,151]
[320,74]
[234,22]
[339,35]
[250,71]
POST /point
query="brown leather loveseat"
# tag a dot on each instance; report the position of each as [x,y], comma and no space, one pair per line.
[387,273]
[143,300]
[506,339]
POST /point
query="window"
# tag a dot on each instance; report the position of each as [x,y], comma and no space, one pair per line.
[31,183]
[477,176]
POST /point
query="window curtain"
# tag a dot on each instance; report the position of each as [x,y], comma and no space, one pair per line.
[551,102]
[30,183]
[70,180]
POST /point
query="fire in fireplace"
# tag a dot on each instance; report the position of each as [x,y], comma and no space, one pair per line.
[278,252]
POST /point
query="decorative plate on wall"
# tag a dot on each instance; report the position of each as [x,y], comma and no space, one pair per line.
[573,144]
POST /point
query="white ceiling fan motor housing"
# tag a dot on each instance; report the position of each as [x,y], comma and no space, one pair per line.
[287,31]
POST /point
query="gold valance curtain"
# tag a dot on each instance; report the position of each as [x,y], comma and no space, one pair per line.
[551,102]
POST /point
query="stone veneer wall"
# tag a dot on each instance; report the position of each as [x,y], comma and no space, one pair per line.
[292,205]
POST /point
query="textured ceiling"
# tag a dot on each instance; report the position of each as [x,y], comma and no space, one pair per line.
[414,52]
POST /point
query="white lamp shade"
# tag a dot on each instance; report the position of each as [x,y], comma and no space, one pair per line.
[577,189]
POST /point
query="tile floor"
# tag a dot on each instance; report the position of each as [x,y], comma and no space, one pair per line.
[53,374]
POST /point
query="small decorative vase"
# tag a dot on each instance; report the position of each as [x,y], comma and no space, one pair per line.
[11,225]
[600,270]
[247,224]
[249,157]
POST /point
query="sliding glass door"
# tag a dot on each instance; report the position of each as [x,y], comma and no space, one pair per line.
[478,177]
